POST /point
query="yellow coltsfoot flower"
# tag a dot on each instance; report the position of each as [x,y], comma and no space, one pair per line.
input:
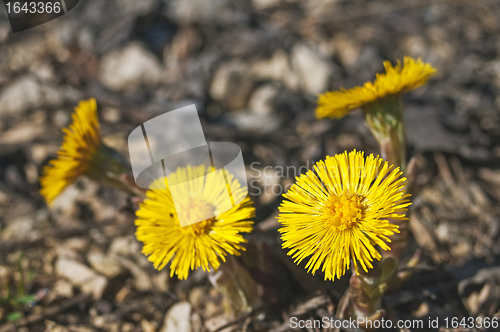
[395,82]
[81,142]
[82,153]
[341,211]
[199,244]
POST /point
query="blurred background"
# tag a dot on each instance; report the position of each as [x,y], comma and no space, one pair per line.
[254,69]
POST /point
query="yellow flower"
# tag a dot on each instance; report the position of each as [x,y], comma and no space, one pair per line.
[340,212]
[81,142]
[199,244]
[396,81]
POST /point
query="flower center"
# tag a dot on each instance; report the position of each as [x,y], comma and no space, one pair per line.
[343,211]
[194,210]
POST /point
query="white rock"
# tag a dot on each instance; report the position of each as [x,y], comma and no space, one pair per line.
[18,228]
[82,276]
[259,116]
[22,133]
[262,98]
[62,288]
[129,68]
[20,96]
[203,11]
[137,7]
[4,31]
[250,121]
[277,68]
[104,264]
[347,50]
[124,246]
[66,203]
[214,323]
[312,70]
[231,84]
[147,326]
[178,318]
[53,96]
[160,281]
[40,151]
[265,4]
[142,281]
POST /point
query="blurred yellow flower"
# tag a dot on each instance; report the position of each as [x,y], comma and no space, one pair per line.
[200,244]
[396,81]
[341,212]
[81,142]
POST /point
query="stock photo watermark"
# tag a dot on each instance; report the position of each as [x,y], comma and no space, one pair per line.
[174,140]
[27,14]
[364,323]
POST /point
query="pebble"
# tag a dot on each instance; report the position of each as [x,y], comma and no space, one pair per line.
[177,318]
[20,96]
[312,70]
[104,264]
[129,68]
[231,84]
[82,276]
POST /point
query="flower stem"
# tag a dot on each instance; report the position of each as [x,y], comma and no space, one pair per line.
[236,285]
[110,168]
[385,120]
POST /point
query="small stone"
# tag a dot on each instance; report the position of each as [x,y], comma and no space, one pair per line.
[22,133]
[4,274]
[18,228]
[196,296]
[312,70]
[347,50]
[147,326]
[123,293]
[43,70]
[415,46]
[4,31]
[177,318]
[249,121]
[77,328]
[215,323]
[276,68]
[4,198]
[232,85]
[196,323]
[265,4]
[66,203]
[18,97]
[76,243]
[111,114]
[129,68]
[261,101]
[104,264]
[160,281]
[124,246]
[421,311]
[185,42]
[202,11]
[62,288]
[142,281]
[98,321]
[137,7]
[81,276]
[61,118]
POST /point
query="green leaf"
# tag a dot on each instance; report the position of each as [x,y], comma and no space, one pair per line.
[24,299]
[14,316]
